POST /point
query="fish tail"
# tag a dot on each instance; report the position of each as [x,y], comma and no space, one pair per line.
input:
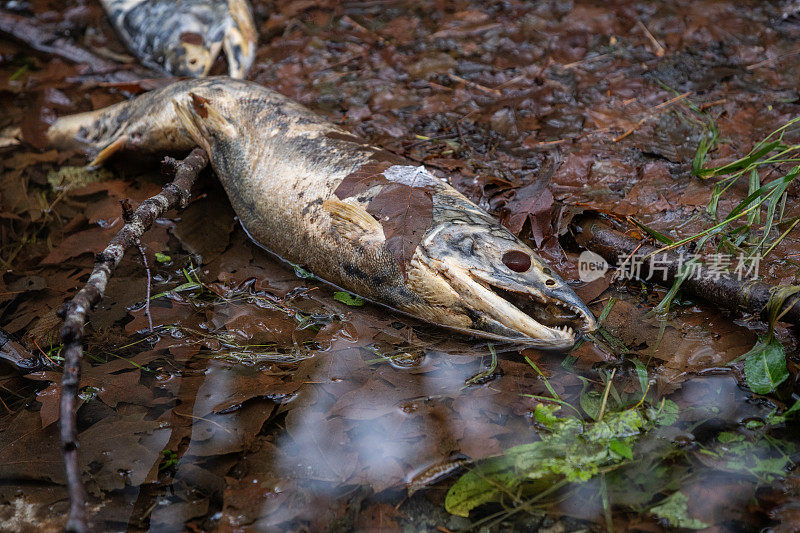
[84,130]
[140,124]
[101,133]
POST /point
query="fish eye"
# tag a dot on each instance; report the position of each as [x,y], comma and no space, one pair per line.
[517,261]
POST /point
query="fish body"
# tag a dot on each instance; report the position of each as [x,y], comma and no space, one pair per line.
[355,215]
[184,37]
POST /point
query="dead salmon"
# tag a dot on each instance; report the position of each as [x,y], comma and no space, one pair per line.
[357,216]
[185,37]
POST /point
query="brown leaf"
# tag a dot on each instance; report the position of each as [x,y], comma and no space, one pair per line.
[365,177]
[28,452]
[530,202]
[379,517]
[91,241]
[406,214]
[122,449]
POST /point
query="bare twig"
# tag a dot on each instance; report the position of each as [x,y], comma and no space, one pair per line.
[127,216]
[149,283]
[74,312]
[586,60]
[663,267]
[657,45]
[770,60]
[40,39]
[473,85]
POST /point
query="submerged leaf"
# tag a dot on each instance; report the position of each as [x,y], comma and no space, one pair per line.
[621,448]
[675,509]
[666,415]
[570,450]
[482,485]
[765,365]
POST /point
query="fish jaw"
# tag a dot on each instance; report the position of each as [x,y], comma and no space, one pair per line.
[468,260]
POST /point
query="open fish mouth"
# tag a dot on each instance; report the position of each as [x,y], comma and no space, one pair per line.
[528,306]
[522,314]
[560,319]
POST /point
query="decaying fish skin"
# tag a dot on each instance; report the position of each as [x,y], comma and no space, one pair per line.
[357,216]
[184,37]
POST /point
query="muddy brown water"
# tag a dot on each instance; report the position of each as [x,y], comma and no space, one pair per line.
[263,402]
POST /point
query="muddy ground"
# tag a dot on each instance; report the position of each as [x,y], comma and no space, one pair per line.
[261,401]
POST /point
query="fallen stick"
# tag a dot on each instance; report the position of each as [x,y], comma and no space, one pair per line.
[38,38]
[74,312]
[722,289]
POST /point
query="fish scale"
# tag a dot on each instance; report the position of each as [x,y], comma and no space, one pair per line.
[359,217]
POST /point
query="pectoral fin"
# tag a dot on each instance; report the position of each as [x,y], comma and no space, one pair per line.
[353,221]
[117,145]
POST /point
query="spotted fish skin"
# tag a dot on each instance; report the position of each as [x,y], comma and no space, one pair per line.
[357,216]
[184,37]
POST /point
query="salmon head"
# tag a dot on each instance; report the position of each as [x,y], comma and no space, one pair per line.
[480,278]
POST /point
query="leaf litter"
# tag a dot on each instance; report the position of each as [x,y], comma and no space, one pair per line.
[262,399]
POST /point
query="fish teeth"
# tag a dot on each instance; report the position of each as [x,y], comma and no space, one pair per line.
[565,329]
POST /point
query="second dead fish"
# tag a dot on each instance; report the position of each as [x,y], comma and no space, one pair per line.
[185,37]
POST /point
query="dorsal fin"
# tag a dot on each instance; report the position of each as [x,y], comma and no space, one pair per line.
[199,116]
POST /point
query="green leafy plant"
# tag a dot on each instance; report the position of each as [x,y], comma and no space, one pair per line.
[170,459]
[192,283]
[570,450]
[481,377]
[745,231]
[759,456]
[348,299]
[301,272]
[765,365]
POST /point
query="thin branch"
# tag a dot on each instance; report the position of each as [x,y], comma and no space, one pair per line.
[149,284]
[47,41]
[650,114]
[657,45]
[127,216]
[74,312]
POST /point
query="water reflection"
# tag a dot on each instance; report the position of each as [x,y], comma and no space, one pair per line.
[296,411]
